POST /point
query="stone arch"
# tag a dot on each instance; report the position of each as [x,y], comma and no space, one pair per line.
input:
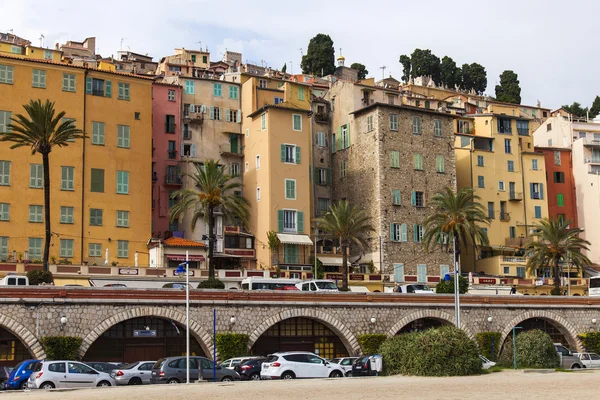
[346,336]
[196,331]
[428,313]
[564,326]
[24,335]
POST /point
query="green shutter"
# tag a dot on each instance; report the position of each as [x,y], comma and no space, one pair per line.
[212,112]
[297,154]
[283,153]
[392,236]
[340,143]
[107,89]
[300,221]
[413,198]
[333,147]
[531,190]
[348,130]
[404,234]
[541,191]
[280,220]
[415,233]
[88,85]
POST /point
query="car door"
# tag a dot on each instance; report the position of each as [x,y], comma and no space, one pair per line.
[346,364]
[58,374]
[208,370]
[594,360]
[144,371]
[316,367]
[80,375]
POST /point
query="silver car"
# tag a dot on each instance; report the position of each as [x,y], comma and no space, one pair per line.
[67,374]
[136,373]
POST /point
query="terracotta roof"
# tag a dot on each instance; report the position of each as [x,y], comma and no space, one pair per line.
[282,106]
[180,242]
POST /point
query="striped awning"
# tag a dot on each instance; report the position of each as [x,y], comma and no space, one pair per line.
[288,238]
[332,261]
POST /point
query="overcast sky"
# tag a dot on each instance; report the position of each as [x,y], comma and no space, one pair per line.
[550,44]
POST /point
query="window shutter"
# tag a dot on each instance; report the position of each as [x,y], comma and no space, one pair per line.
[107,89]
[88,85]
[333,144]
[404,237]
[398,273]
[193,151]
[531,190]
[541,191]
[415,233]
[227,116]
[239,116]
[212,112]
[413,198]
[348,132]
[181,150]
[300,216]
[280,220]
[297,154]
[340,144]
[392,235]
[283,153]
[328,176]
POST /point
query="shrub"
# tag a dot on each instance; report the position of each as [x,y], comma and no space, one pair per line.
[211,283]
[231,345]
[370,343]
[448,286]
[37,276]
[534,350]
[61,347]
[489,344]
[591,341]
[444,351]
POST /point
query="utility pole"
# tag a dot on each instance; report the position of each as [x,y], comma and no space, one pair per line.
[382,71]
[42,40]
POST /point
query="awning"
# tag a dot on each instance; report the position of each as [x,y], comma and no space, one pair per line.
[224,255]
[359,289]
[333,261]
[181,257]
[287,238]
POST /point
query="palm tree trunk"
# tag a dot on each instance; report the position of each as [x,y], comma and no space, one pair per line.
[344,266]
[211,242]
[46,166]
[556,277]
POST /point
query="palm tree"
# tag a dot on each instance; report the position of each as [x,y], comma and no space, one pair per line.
[556,242]
[273,242]
[212,188]
[348,225]
[42,129]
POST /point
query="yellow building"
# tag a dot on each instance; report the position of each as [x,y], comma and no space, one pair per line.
[184,62]
[495,156]
[100,187]
[276,135]
[40,53]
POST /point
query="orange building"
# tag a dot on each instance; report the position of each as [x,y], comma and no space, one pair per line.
[561,185]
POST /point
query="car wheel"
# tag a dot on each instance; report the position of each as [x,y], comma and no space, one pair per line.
[255,377]
[288,375]
[349,374]
[172,381]
[135,381]
[47,385]
[23,385]
[575,366]
[335,374]
[227,379]
[103,384]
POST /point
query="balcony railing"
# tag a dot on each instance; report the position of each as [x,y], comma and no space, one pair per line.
[322,117]
[514,259]
[504,216]
[172,154]
[516,242]
[172,179]
[594,169]
[515,196]
[227,149]
[591,142]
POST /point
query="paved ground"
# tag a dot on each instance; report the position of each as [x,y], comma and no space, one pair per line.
[501,385]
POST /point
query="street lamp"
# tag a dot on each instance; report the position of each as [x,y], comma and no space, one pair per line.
[514,329]
[63,322]
[489,320]
[183,268]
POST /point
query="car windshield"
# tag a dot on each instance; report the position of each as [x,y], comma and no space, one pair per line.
[271,358]
[130,366]
[421,287]
[326,285]
[335,360]
[18,365]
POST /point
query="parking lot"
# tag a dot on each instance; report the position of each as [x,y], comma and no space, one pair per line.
[501,385]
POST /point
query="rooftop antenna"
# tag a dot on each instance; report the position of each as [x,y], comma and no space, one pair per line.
[122,40]
[199,45]
[382,71]
[301,53]
[12,32]
[42,40]
[292,67]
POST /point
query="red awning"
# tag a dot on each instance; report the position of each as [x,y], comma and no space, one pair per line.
[181,257]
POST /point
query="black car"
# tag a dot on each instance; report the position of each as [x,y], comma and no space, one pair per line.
[250,370]
[367,366]
[4,374]
[102,366]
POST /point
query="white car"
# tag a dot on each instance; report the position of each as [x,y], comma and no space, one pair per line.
[317,285]
[136,373]
[589,360]
[298,364]
[345,364]
[233,362]
[67,374]
[486,363]
[416,288]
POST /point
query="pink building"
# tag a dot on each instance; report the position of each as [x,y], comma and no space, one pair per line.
[166,142]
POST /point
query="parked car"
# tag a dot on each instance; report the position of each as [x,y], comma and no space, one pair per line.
[298,364]
[486,363]
[589,360]
[567,359]
[250,369]
[101,366]
[172,370]
[20,374]
[317,285]
[233,362]
[4,374]
[175,285]
[345,364]
[136,373]
[116,285]
[370,365]
[415,288]
[67,374]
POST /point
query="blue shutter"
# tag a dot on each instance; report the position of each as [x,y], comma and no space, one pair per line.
[283,153]
[541,191]
[280,220]
[531,190]
[300,221]
[415,233]
[212,112]
[107,89]
[404,233]
[398,273]
[88,85]
[392,235]
[333,143]
[297,154]
[413,198]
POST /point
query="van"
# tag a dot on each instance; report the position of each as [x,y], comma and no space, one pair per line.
[317,285]
[567,359]
[415,288]
[14,280]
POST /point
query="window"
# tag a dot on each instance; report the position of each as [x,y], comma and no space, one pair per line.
[278,100]
[398,232]
[395,159]
[538,211]
[301,93]
[35,248]
[369,123]
[537,191]
[137,115]
[67,181]
[418,161]
[557,158]
[343,168]
[464,127]
[437,128]
[217,90]
[512,232]
[480,161]
[4,173]
[123,136]
[504,125]
[290,189]
[234,169]
[96,216]
[189,87]
[257,194]
[422,273]
[122,182]
[416,125]
[263,121]
[394,122]
[297,122]
[507,148]
[66,248]
[68,83]
[560,200]
[258,162]
[323,176]
[289,221]
[171,95]
[398,272]
[36,214]
[511,166]
[123,91]
[521,272]
[36,176]
[418,199]
[290,153]
[322,206]
[534,165]
[344,137]
[38,79]
[440,164]
[169,123]
[122,248]
[66,215]
[321,139]
[559,177]
[491,212]
[262,83]
[3,248]
[396,197]
[98,87]
[232,115]
[506,270]
[193,58]
[6,74]
[561,217]
[4,212]
[123,219]
[233,92]
[480,181]
[523,128]
[98,133]
[97,180]
[5,121]
[582,135]
[247,132]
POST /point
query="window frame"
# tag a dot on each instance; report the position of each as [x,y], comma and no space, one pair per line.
[122,219]
[297,118]
[41,78]
[290,192]
[123,91]
[123,136]
[67,215]
[68,183]
[68,250]
[69,83]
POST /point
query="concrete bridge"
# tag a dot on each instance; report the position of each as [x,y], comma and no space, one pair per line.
[107,319]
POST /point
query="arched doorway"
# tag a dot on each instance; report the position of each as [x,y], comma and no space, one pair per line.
[422,324]
[143,338]
[12,350]
[300,334]
[543,325]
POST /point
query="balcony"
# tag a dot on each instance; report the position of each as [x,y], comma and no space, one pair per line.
[594,169]
[322,117]
[173,179]
[515,196]
[170,127]
[172,154]
[194,117]
[591,142]
[504,216]
[227,149]
[516,242]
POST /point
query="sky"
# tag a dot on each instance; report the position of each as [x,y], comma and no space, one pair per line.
[548,43]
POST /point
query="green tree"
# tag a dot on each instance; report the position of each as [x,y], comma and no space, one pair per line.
[214,189]
[576,109]
[362,70]
[42,129]
[319,59]
[425,63]
[556,243]
[273,243]
[405,61]
[284,68]
[477,78]
[450,73]
[444,286]
[509,90]
[595,109]
[348,225]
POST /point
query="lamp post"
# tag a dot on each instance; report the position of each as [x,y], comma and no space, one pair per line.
[214,344]
[456,289]
[182,269]
[514,329]
[489,320]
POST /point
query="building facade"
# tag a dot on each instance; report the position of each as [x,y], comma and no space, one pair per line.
[561,185]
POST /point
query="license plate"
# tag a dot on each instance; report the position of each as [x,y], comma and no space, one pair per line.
[358,367]
[154,373]
[265,366]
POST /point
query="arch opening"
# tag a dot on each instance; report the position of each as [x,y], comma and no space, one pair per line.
[422,324]
[12,349]
[557,333]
